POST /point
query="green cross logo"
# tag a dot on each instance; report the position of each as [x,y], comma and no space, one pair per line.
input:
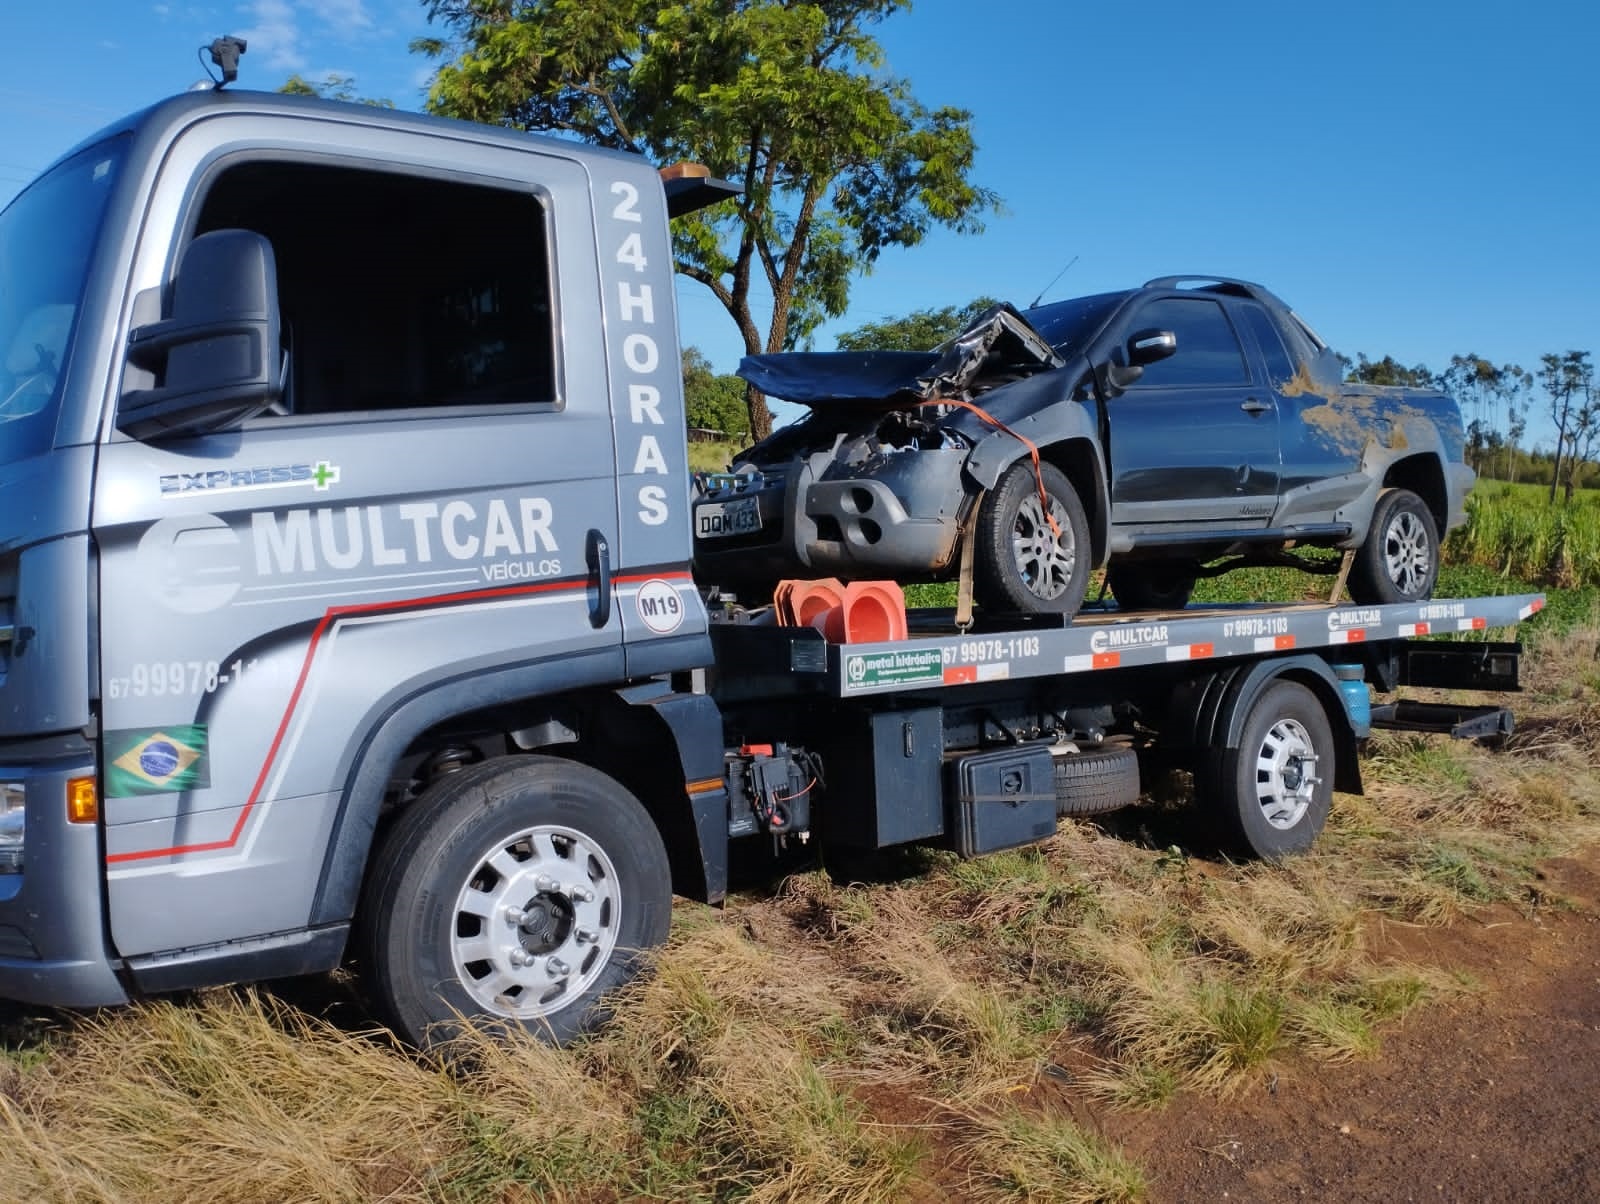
[326,474]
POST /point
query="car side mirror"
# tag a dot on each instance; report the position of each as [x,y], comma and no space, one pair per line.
[1149,346]
[217,359]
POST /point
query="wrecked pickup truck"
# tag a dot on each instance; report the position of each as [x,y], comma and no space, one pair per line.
[1181,429]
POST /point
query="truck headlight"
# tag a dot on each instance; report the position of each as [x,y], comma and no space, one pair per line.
[12,796]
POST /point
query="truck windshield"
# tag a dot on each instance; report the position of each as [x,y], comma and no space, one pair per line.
[47,235]
[1069,325]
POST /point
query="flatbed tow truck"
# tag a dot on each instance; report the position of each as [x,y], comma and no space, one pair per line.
[346,605]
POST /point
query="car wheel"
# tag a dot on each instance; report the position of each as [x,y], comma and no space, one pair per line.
[1096,781]
[1023,562]
[1150,585]
[515,893]
[1273,792]
[1399,562]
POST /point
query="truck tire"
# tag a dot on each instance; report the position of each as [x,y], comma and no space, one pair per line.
[1399,560]
[1022,564]
[1273,792]
[517,892]
[1150,584]
[1090,783]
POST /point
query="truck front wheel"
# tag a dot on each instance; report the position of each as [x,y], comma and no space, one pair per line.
[517,892]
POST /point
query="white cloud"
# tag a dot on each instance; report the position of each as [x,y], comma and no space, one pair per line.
[344,17]
[275,32]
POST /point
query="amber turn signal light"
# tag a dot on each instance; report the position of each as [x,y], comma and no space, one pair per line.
[83,802]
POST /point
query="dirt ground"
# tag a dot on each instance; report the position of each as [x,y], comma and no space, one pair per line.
[1492,1096]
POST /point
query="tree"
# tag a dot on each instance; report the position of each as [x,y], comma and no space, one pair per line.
[838,160]
[1565,378]
[331,87]
[1387,371]
[920,330]
[713,402]
[1512,389]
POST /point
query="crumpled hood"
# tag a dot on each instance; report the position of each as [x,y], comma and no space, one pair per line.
[997,340]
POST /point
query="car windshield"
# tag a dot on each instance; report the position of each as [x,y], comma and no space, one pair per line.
[1069,325]
[47,235]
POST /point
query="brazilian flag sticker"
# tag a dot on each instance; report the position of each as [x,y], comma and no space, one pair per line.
[156,761]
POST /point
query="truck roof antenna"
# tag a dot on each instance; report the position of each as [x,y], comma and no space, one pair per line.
[1035,302]
[225,52]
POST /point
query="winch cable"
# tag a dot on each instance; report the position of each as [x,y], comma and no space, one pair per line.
[1033,450]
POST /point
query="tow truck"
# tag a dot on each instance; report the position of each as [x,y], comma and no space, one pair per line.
[347,608]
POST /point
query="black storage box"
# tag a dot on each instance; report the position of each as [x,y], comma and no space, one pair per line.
[1001,799]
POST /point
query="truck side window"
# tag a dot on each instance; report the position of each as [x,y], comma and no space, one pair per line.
[399,291]
[1279,367]
[1208,350]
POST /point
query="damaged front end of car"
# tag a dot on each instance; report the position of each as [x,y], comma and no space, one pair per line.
[876,480]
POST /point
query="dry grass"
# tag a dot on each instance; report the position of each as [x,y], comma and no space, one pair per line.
[933,1038]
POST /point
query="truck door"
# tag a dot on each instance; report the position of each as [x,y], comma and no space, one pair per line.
[1194,443]
[420,520]
[663,619]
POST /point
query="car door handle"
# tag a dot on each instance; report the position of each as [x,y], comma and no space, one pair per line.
[1254,405]
[599,557]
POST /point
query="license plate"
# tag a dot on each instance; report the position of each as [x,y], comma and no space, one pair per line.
[714,519]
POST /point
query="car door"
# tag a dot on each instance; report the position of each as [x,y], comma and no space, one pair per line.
[1322,442]
[418,518]
[1193,444]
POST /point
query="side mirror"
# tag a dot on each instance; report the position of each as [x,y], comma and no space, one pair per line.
[1148,346]
[218,358]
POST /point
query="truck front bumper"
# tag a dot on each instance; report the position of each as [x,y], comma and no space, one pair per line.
[53,944]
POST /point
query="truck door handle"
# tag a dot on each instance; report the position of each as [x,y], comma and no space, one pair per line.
[1254,405]
[599,556]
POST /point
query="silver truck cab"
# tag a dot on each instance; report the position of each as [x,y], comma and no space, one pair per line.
[323,429]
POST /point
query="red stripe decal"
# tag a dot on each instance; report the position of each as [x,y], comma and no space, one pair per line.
[960,675]
[331,615]
[1200,651]
[1107,660]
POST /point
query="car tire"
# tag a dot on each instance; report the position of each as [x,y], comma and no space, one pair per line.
[1097,781]
[1273,792]
[1150,585]
[1022,564]
[558,842]
[1399,559]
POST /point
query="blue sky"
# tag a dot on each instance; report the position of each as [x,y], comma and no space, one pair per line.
[1416,179]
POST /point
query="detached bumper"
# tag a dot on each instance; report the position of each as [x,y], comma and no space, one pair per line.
[53,945]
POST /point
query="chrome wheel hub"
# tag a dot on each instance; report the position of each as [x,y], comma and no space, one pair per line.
[1044,560]
[1407,553]
[1286,774]
[536,922]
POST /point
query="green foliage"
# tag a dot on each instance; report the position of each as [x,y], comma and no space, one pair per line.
[1387,371]
[1515,531]
[332,87]
[713,402]
[837,159]
[920,330]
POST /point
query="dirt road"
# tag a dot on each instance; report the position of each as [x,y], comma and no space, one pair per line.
[1494,1096]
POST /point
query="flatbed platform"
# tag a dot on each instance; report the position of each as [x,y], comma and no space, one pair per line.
[936,655]
[1098,640]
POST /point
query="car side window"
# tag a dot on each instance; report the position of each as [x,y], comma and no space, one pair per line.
[1280,367]
[1208,349]
[370,324]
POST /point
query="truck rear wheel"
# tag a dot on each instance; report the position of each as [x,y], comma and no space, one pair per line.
[517,892]
[1273,792]
[1399,560]
[1150,585]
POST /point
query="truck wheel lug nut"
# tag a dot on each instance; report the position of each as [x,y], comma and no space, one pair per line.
[545,884]
[585,936]
[514,916]
[557,968]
